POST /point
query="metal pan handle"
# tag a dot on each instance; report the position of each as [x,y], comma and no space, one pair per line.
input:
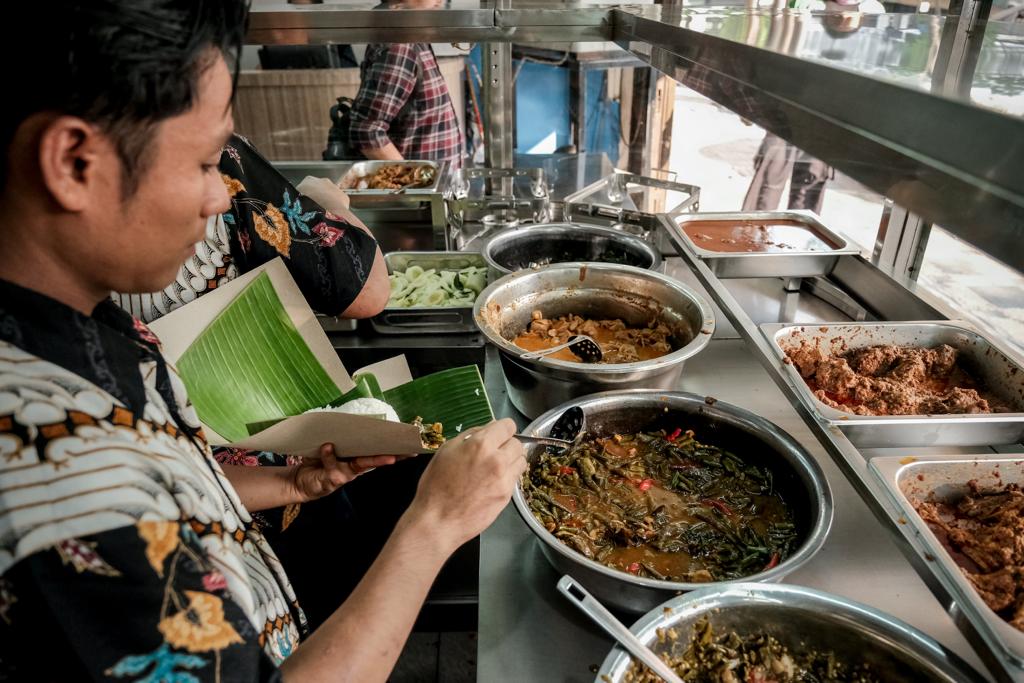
[589,605]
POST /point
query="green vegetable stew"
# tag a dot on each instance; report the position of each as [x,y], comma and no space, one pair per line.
[707,657]
[662,505]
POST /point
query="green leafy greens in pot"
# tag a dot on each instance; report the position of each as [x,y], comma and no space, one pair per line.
[415,287]
[750,658]
[662,505]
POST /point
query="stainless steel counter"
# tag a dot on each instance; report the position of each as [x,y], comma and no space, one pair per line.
[527,632]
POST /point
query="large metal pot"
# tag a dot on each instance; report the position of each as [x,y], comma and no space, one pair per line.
[796,475]
[520,248]
[801,619]
[594,290]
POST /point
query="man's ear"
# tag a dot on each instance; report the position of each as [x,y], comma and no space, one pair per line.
[75,160]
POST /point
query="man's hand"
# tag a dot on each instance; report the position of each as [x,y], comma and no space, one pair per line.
[469,481]
[316,478]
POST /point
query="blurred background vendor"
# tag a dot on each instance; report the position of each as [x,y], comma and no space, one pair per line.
[403,109]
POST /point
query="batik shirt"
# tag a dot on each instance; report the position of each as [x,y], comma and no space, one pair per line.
[125,554]
[404,99]
[329,259]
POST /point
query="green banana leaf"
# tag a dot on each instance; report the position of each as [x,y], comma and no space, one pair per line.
[251,369]
[455,397]
[252,365]
[366,387]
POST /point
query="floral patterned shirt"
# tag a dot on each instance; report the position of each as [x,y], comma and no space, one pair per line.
[329,259]
[125,554]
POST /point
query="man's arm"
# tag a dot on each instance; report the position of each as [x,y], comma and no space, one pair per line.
[266,487]
[377,288]
[466,485]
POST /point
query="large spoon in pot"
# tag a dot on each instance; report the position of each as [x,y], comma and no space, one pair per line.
[567,431]
[583,346]
[590,606]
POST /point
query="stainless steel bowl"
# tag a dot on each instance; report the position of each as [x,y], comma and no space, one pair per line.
[801,618]
[595,290]
[796,474]
[516,249]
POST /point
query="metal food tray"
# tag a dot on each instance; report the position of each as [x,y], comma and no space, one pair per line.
[994,368]
[944,478]
[333,323]
[608,201]
[766,264]
[434,319]
[470,200]
[362,169]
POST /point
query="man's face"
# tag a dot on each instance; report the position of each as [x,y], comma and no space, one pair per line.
[139,244]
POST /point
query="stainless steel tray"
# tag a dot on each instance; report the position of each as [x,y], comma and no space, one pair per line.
[995,368]
[944,478]
[332,323]
[434,319]
[623,199]
[514,194]
[763,264]
[295,171]
[362,169]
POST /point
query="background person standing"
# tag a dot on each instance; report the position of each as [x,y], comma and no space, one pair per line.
[403,109]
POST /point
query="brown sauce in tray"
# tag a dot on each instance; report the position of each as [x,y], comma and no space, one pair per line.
[755,236]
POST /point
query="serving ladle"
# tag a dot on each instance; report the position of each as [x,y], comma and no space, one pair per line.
[567,431]
[584,347]
[590,606]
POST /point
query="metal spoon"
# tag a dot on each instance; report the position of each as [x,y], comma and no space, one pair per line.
[586,348]
[545,441]
[403,188]
[615,628]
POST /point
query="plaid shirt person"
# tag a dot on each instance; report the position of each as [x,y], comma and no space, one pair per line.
[403,99]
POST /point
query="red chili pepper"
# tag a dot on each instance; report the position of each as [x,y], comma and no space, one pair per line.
[758,675]
[720,506]
[645,484]
[674,435]
[565,469]
[772,562]
[633,568]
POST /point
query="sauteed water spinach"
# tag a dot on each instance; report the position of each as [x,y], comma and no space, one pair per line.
[662,505]
[751,658]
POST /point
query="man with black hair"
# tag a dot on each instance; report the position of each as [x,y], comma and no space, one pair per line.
[126,552]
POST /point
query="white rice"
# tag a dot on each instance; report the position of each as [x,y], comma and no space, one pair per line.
[362,406]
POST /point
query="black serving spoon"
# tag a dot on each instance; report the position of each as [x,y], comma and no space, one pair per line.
[568,430]
[583,346]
